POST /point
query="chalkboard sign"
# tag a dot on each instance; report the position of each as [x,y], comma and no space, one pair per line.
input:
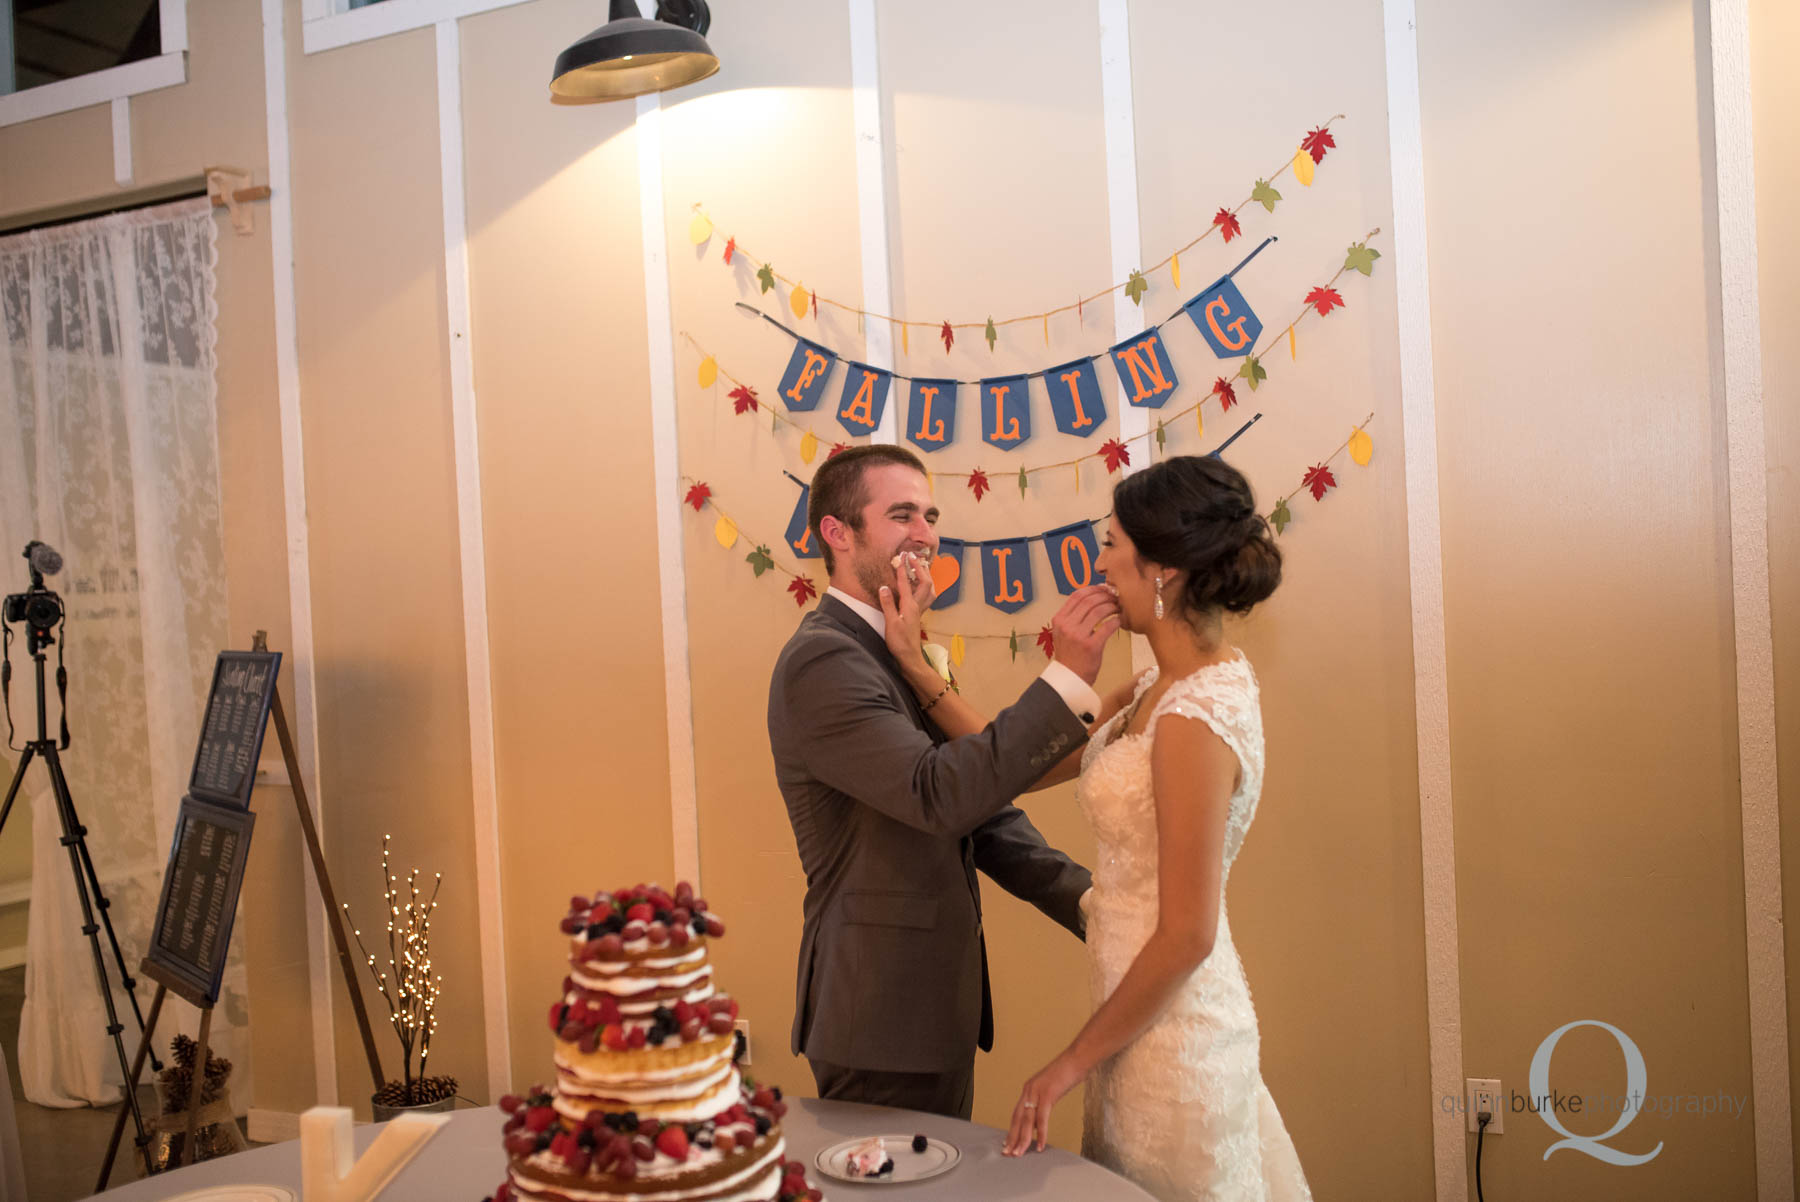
[199,899]
[237,713]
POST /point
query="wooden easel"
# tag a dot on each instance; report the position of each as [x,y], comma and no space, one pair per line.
[166,983]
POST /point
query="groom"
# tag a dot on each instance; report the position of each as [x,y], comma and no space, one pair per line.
[892,819]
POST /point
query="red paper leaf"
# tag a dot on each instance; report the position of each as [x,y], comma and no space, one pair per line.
[803,590]
[1324,300]
[815,304]
[1227,223]
[978,483]
[1046,639]
[730,249]
[1115,453]
[743,399]
[697,495]
[1318,479]
[837,448]
[948,335]
[1317,143]
[1227,395]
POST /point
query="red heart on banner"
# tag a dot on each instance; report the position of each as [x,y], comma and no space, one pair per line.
[944,573]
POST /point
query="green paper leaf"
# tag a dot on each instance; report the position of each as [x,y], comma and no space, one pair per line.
[1253,371]
[991,334]
[1012,644]
[1134,287]
[1161,438]
[1360,258]
[1281,517]
[1265,195]
[759,560]
[766,277]
[1021,482]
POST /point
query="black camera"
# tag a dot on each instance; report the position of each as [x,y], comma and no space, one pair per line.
[37,607]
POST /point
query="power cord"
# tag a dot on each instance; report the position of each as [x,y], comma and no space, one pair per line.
[1482,1119]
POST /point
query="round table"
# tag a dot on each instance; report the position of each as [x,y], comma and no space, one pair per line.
[464,1162]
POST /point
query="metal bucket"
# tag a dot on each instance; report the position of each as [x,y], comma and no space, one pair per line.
[384,1113]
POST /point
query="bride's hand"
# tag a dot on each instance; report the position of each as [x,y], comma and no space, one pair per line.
[1031,1117]
[904,603]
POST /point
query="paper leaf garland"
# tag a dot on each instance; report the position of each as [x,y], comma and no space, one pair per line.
[1012,644]
[837,448]
[1316,143]
[1293,347]
[1265,195]
[730,249]
[709,372]
[1324,300]
[699,229]
[1162,439]
[1227,222]
[765,275]
[949,337]
[978,483]
[725,530]
[759,561]
[743,399]
[1253,371]
[1281,517]
[1022,482]
[959,650]
[809,446]
[1046,640]
[697,495]
[1115,453]
[1303,167]
[992,335]
[1360,258]
[1317,480]
[1200,420]
[1362,447]
[803,589]
[1175,269]
[1226,393]
[1135,286]
[797,301]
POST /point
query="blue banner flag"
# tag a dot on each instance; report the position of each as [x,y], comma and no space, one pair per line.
[1006,574]
[1005,412]
[1224,319]
[931,420]
[865,396]
[1145,372]
[1075,399]
[950,548]
[800,538]
[803,383]
[1073,550]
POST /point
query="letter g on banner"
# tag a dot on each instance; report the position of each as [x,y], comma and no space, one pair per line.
[1636,1077]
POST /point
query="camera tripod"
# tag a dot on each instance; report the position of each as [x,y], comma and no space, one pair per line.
[81,863]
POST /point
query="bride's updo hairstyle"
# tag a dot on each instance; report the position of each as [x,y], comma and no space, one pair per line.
[1195,513]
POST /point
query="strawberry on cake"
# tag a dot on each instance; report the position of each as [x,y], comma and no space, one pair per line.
[648,1104]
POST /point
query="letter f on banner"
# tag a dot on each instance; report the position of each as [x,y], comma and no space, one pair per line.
[803,383]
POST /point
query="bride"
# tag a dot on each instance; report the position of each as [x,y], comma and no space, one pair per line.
[1169,781]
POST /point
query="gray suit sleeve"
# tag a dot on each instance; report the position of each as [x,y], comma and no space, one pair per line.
[860,742]
[1011,851]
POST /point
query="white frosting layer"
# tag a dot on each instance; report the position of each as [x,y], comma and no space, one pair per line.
[635,1076]
[753,1183]
[669,1092]
[697,1112]
[684,960]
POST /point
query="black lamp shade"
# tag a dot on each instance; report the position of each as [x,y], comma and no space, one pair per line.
[630,56]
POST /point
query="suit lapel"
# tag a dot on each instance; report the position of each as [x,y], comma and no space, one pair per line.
[849,620]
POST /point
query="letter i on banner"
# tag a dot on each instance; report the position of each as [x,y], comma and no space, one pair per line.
[800,538]
[1073,550]
[1145,371]
[803,383]
[931,421]
[865,396]
[1005,412]
[1224,319]
[1075,400]
[1006,574]
[950,548]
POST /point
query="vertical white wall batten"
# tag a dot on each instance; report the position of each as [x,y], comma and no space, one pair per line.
[121,141]
[871,195]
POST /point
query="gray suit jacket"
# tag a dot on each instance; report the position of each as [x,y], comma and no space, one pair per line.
[892,820]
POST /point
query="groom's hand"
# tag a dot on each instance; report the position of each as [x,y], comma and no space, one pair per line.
[1081,627]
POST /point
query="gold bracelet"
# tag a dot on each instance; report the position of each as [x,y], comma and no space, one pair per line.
[926,708]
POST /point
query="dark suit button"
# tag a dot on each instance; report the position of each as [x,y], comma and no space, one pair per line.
[1085,717]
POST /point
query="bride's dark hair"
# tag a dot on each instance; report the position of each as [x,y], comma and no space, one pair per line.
[1196,513]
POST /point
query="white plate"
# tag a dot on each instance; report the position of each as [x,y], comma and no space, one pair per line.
[938,1157]
[236,1193]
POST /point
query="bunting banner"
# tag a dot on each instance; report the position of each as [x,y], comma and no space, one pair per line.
[803,383]
[1073,550]
[1005,413]
[865,397]
[1006,574]
[1224,319]
[931,422]
[951,549]
[1075,400]
[1146,373]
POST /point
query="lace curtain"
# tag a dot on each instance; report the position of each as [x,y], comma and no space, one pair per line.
[108,452]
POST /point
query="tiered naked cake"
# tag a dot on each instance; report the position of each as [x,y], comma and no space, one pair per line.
[648,1105]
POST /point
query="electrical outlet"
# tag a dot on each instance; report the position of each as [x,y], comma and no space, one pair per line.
[1485,1095]
[743,1028]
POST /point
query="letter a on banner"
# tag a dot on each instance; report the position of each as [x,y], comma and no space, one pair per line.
[1075,399]
[803,383]
[931,421]
[1005,412]
[1006,574]
[950,548]
[800,538]
[865,396]
[1145,371]
[1224,319]
[1073,550]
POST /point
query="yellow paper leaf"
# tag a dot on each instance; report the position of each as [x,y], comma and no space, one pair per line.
[809,446]
[1362,447]
[1200,420]
[1175,268]
[709,371]
[958,649]
[700,228]
[726,532]
[904,347]
[1292,353]
[1046,329]
[797,302]
[1303,167]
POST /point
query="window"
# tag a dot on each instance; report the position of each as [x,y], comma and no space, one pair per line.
[53,40]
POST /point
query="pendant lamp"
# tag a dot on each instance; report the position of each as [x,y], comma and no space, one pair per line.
[631,56]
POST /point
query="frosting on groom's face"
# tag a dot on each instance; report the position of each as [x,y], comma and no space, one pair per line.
[898,516]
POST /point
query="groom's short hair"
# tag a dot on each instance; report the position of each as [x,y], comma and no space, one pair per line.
[838,488]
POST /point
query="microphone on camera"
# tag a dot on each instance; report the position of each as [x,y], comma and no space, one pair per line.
[44,558]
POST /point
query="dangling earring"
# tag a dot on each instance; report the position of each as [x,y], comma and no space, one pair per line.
[1159,603]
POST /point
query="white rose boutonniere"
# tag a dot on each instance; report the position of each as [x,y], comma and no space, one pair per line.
[939,659]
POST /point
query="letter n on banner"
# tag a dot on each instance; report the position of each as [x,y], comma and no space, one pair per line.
[1073,550]
[800,538]
[865,396]
[1145,372]
[803,383]
[1075,399]
[1006,574]
[950,548]
[1005,411]
[1224,319]
[931,422]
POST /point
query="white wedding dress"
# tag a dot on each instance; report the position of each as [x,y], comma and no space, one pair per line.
[1182,1111]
